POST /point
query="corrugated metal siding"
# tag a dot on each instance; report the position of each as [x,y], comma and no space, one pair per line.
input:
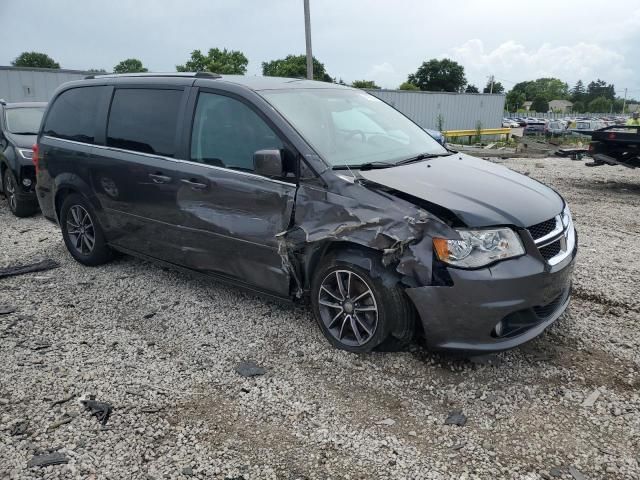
[33,85]
[460,111]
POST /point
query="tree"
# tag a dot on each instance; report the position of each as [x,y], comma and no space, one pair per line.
[497,87]
[547,88]
[365,84]
[407,86]
[439,76]
[578,92]
[599,105]
[540,104]
[130,65]
[472,89]
[35,60]
[294,66]
[599,88]
[578,107]
[515,100]
[230,62]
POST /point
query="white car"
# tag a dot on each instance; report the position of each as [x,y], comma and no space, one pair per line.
[508,123]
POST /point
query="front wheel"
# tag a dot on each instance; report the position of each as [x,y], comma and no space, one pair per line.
[356,311]
[18,206]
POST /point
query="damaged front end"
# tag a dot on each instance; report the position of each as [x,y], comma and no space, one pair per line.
[357,213]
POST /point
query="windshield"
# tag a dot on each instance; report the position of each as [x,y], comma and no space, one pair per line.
[24,120]
[348,127]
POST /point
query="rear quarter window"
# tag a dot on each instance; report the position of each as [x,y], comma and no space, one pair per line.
[73,114]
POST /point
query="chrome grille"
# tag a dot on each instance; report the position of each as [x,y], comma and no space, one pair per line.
[541,229]
[550,250]
[555,238]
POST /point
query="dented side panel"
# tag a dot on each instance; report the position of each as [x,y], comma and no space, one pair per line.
[233,226]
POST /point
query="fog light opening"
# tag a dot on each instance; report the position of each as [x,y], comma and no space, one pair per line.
[498,330]
[26,182]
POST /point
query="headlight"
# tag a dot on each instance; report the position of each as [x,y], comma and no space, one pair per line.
[25,153]
[478,248]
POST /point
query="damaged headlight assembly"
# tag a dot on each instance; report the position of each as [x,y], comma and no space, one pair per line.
[478,248]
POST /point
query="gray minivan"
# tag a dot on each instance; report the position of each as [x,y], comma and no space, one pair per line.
[311,192]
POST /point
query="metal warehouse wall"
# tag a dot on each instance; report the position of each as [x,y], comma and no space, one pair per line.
[460,111]
[33,84]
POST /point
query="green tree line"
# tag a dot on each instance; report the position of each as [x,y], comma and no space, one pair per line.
[434,75]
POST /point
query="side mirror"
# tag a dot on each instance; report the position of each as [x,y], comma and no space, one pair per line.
[268,163]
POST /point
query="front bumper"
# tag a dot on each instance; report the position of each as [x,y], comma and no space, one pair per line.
[525,294]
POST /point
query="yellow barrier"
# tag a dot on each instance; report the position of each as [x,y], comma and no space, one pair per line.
[473,133]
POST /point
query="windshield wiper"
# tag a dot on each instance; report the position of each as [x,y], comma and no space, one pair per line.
[364,166]
[422,156]
[25,133]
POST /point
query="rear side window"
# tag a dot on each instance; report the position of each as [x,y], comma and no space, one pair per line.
[73,114]
[144,120]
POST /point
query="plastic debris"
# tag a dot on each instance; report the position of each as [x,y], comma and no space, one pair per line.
[100,410]
[46,264]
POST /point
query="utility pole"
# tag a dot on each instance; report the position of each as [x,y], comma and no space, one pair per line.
[624,103]
[491,80]
[307,34]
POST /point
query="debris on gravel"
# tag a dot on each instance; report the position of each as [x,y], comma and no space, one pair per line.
[42,265]
[250,369]
[181,404]
[7,309]
[46,459]
[456,418]
[100,410]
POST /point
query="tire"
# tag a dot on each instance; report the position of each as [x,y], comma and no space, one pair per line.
[382,315]
[82,233]
[18,206]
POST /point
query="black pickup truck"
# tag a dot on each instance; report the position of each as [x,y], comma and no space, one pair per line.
[616,145]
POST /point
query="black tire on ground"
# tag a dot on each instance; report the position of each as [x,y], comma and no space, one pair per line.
[394,315]
[82,233]
[18,206]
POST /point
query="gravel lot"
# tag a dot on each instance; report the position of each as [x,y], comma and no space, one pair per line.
[162,348]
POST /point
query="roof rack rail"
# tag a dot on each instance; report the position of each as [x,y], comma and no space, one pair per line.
[148,74]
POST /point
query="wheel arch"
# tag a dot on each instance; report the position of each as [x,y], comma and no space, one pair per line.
[69,183]
[364,257]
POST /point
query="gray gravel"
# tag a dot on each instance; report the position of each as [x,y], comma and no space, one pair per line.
[163,349]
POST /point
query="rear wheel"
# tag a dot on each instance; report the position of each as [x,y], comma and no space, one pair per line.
[82,233]
[18,206]
[357,312]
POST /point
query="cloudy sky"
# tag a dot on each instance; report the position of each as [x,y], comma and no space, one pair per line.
[355,39]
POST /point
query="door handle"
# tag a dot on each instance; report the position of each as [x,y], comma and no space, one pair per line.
[193,184]
[159,178]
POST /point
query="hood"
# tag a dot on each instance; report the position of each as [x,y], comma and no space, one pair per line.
[478,192]
[21,141]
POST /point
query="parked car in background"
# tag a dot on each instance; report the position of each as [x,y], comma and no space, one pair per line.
[311,192]
[19,124]
[555,129]
[534,127]
[521,121]
[587,126]
[509,123]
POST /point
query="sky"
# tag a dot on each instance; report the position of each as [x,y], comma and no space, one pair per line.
[375,40]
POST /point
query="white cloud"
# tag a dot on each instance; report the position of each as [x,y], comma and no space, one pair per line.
[514,62]
[385,75]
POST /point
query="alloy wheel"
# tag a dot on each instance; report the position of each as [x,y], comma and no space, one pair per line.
[81,230]
[10,191]
[348,307]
